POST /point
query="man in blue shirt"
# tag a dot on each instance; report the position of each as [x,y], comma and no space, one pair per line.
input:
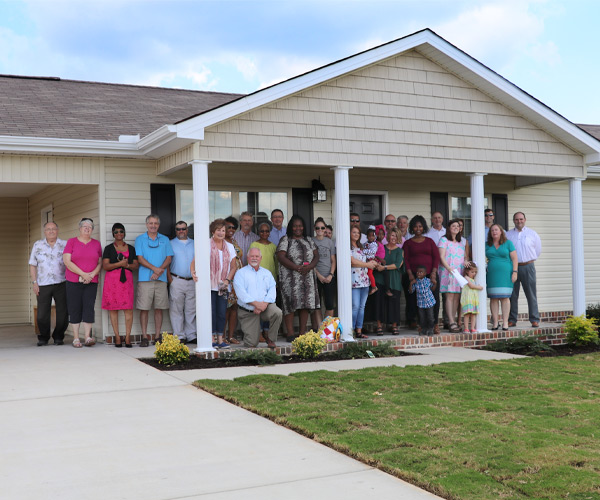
[278,230]
[154,253]
[255,290]
[182,289]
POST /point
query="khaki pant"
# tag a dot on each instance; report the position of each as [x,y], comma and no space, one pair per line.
[250,324]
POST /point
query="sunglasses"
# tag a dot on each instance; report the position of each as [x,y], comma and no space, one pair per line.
[489,215]
[319,228]
[354,220]
[231,227]
[390,220]
[118,231]
[181,229]
[264,231]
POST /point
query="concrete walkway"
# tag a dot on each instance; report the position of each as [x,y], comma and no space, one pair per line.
[95,423]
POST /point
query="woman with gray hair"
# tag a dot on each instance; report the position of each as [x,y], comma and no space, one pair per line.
[83,261]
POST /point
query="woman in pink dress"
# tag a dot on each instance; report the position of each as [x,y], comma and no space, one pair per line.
[119,260]
[453,251]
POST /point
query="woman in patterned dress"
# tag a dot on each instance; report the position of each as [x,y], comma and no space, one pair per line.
[232,307]
[298,256]
[453,251]
[119,260]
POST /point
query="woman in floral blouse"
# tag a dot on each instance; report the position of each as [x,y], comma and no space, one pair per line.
[360,282]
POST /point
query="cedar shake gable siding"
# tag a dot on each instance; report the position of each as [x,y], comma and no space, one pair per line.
[405,112]
[69,109]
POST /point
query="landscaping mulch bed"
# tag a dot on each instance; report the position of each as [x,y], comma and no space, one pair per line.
[568,350]
[198,363]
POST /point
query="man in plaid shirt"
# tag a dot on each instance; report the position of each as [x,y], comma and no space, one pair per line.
[425,301]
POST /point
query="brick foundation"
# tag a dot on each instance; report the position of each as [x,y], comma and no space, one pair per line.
[554,335]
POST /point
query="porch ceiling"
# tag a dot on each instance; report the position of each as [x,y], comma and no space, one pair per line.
[19,189]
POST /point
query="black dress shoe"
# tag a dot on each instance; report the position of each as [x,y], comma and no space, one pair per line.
[59,342]
[42,342]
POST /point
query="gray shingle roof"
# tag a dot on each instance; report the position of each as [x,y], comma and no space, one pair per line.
[593,130]
[69,109]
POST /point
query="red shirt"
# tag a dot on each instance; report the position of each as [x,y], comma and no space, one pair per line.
[425,254]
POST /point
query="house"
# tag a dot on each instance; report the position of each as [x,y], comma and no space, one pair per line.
[405,127]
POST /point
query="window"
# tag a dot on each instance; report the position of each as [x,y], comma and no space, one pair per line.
[261,204]
[461,209]
[219,205]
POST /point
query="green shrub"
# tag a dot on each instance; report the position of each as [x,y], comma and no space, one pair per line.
[356,350]
[581,330]
[170,351]
[593,311]
[525,346]
[260,357]
[309,345]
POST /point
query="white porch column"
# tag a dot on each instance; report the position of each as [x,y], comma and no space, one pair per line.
[202,255]
[478,245]
[342,238]
[576,210]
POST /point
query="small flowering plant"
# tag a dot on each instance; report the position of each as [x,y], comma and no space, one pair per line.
[581,330]
[170,351]
[309,345]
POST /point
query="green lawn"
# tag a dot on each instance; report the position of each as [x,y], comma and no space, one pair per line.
[525,428]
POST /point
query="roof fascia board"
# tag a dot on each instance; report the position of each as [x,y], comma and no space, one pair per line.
[160,142]
[193,127]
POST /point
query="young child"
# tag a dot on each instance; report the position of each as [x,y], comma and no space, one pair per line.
[425,301]
[469,298]
[370,250]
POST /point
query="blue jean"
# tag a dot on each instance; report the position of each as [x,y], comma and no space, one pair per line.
[359,299]
[219,308]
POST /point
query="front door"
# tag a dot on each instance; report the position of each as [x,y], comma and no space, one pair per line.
[369,207]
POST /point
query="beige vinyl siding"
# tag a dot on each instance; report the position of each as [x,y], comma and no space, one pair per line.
[591,233]
[70,203]
[14,252]
[50,169]
[406,112]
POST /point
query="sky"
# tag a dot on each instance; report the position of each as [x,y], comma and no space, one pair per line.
[549,48]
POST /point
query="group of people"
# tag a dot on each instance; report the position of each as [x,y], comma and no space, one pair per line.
[427,263]
[261,280]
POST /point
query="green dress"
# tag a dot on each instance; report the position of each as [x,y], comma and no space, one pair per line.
[499,270]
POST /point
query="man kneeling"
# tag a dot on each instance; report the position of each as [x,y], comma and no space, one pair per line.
[255,290]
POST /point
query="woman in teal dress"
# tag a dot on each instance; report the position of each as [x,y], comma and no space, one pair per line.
[501,274]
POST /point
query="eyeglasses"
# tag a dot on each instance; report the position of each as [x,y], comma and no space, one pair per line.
[231,227]
[264,230]
[354,220]
[181,229]
[489,215]
[319,228]
[390,220]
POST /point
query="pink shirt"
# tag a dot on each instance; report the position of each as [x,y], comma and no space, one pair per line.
[85,257]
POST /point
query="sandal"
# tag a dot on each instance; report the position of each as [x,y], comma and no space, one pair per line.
[89,342]
[395,331]
[361,336]
[379,331]
[233,340]
[76,343]
[454,328]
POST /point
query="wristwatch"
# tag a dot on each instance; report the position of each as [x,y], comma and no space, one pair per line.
[34,282]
